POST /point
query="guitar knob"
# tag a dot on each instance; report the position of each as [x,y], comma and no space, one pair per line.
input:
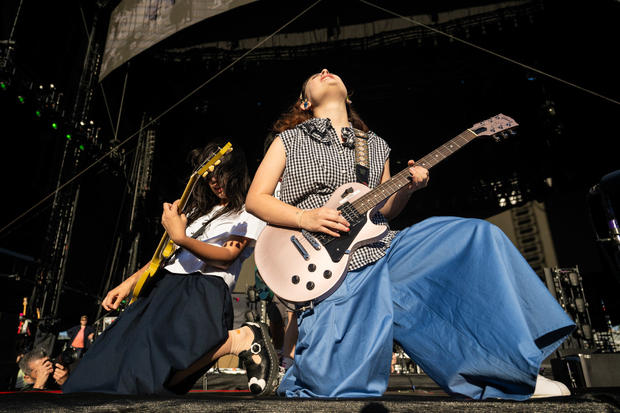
[311,267]
[295,279]
[310,285]
[327,274]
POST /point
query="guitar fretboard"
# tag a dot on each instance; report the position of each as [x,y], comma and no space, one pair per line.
[366,202]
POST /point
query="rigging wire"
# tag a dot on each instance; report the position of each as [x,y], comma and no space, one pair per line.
[482,49]
[156,118]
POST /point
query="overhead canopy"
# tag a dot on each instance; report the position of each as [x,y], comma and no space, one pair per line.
[136,25]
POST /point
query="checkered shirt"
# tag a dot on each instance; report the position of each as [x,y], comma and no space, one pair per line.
[317,163]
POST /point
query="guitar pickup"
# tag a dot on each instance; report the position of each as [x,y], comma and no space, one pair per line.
[313,241]
[300,248]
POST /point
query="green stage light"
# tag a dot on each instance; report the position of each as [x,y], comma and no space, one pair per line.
[81,147]
[3,85]
[38,113]
[55,125]
[68,136]
[21,99]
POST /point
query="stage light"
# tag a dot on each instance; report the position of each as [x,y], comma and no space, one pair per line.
[3,85]
[68,136]
[21,99]
[81,147]
[37,113]
[54,126]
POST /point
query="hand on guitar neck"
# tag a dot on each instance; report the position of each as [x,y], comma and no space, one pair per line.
[174,222]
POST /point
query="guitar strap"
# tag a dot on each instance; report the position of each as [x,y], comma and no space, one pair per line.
[195,235]
[362,165]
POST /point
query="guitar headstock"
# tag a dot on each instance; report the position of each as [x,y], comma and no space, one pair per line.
[210,164]
[498,127]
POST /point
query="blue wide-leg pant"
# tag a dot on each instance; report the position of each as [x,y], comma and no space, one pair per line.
[460,299]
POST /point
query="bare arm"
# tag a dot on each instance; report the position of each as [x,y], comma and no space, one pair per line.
[261,202]
[175,224]
[395,204]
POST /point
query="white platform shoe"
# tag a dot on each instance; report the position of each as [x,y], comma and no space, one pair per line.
[549,388]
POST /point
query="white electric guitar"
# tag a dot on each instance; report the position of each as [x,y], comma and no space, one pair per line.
[304,267]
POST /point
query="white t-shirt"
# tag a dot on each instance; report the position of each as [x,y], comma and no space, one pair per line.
[219,231]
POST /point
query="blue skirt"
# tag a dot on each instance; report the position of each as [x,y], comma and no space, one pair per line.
[182,318]
[460,299]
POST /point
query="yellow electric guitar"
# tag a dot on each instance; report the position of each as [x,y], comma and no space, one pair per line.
[166,247]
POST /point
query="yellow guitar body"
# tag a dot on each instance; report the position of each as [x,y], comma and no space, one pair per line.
[166,247]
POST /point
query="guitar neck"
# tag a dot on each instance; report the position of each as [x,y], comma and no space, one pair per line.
[402,179]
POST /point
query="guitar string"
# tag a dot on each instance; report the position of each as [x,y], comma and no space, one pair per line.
[368,200]
[156,118]
[500,56]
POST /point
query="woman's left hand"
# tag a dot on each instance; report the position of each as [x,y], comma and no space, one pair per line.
[419,177]
[174,221]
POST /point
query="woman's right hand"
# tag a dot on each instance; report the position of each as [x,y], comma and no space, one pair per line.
[326,220]
[116,296]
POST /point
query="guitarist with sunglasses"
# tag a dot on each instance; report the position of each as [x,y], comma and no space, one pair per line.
[182,322]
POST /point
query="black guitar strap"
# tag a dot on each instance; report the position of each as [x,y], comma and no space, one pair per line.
[362,165]
[195,235]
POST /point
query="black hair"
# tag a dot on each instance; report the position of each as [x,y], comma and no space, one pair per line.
[231,174]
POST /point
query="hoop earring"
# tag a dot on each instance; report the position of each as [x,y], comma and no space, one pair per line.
[347,100]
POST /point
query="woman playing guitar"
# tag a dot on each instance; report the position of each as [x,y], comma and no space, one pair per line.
[454,292]
[181,325]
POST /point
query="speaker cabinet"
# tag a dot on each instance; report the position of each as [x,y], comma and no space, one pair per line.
[588,370]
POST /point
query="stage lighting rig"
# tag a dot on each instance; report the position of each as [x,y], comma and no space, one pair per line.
[7,64]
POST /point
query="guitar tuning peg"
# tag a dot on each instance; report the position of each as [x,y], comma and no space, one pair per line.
[218,162]
[211,168]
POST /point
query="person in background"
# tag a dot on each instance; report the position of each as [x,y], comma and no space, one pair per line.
[81,336]
[41,373]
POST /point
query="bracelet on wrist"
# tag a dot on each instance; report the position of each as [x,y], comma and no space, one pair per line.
[300,214]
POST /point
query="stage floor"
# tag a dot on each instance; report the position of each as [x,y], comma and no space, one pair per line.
[226,393]
[201,401]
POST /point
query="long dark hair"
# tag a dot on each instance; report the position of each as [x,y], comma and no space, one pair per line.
[296,115]
[231,174]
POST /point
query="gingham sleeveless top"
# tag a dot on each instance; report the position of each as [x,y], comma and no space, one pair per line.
[317,163]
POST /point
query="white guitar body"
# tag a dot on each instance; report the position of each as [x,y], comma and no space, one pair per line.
[301,278]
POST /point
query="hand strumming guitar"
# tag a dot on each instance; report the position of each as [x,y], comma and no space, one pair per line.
[327,220]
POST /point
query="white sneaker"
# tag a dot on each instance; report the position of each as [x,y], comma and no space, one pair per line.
[549,388]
